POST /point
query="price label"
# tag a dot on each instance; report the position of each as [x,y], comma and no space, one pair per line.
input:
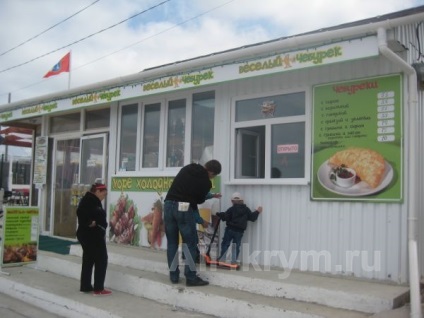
[387,94]
[385,115]
[386,138]
[385,123]
[387,108]
[386,130]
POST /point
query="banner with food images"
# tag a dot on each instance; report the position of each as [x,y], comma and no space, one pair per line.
[20,235]
[357,140]
[136,211]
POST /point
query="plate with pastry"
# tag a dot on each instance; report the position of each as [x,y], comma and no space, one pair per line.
[373,172]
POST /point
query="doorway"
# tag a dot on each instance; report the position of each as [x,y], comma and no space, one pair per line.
[78,162]
[66,167]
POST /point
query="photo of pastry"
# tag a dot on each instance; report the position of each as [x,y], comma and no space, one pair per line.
[355,172]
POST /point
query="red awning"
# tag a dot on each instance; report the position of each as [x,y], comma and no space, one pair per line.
[19,130]
[16,136]
[13,140]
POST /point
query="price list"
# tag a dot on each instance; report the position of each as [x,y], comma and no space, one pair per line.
[356,114]
[364,115]
[386,116]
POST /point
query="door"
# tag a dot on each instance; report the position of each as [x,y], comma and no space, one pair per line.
[93,159]
[65,167]
[78,163]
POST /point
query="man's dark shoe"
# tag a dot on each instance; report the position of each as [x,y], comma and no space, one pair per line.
[175,281]
[196,282]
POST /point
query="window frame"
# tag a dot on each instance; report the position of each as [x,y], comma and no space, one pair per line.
[65,130]
[187,116]
[267,123]
[191,113]
[85,120]
[164,101]
[118,139]
[140,154]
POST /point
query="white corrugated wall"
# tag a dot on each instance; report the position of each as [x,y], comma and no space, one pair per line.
[408,35]
[366,240]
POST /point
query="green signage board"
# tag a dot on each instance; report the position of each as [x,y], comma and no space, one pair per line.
[20,235]
[151,184]
[357,140]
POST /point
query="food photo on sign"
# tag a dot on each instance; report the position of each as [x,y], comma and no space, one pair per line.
[125,224]
[357,140]
[355,172]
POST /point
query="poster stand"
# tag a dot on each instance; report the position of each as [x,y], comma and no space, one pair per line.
[19,237]
[2,239]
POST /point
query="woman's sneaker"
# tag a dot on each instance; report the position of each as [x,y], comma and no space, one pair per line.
[104,292]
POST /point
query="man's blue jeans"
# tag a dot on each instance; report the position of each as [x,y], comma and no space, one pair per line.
[231,236]
[180,222]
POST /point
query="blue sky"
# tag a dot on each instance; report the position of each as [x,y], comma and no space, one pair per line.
[172,31]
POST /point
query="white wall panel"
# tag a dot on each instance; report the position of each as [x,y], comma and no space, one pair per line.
[407,35]
[297,230]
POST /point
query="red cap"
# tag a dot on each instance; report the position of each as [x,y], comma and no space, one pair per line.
[101,186]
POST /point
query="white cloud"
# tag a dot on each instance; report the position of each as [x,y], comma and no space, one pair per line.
[165,34]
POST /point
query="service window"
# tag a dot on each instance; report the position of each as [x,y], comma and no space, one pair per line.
[269,137]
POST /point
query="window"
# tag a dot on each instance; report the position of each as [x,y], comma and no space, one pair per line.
[21,171]
[269,137]
[166,132]
[128,140]
[202,127]
[98,118]
[288,150]
[151,135]
[250,143]
[175,133]
[65,123]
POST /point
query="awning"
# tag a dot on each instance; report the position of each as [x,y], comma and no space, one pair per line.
[16,136]
[19,130]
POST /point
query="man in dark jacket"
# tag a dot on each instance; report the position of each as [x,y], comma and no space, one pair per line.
[236,217]
[188,189]
[91,234]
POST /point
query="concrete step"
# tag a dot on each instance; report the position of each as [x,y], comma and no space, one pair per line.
[211,300]
[59,295]
[137,275]
[344,293]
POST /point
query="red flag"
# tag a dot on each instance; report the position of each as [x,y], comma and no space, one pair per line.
[62,66]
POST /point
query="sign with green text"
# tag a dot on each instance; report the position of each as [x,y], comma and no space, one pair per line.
[20,235]
[151,184]
[357,140]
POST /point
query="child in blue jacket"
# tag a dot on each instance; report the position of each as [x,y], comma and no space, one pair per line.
[236,218]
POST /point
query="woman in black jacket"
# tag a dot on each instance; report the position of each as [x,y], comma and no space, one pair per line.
[91,234]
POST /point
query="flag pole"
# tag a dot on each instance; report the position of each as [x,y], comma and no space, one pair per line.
[69,73]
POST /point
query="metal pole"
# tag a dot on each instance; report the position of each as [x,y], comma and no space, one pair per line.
[1,171]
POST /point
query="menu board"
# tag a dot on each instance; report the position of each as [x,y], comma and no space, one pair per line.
[20,235]
[357,140]
[40,161]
